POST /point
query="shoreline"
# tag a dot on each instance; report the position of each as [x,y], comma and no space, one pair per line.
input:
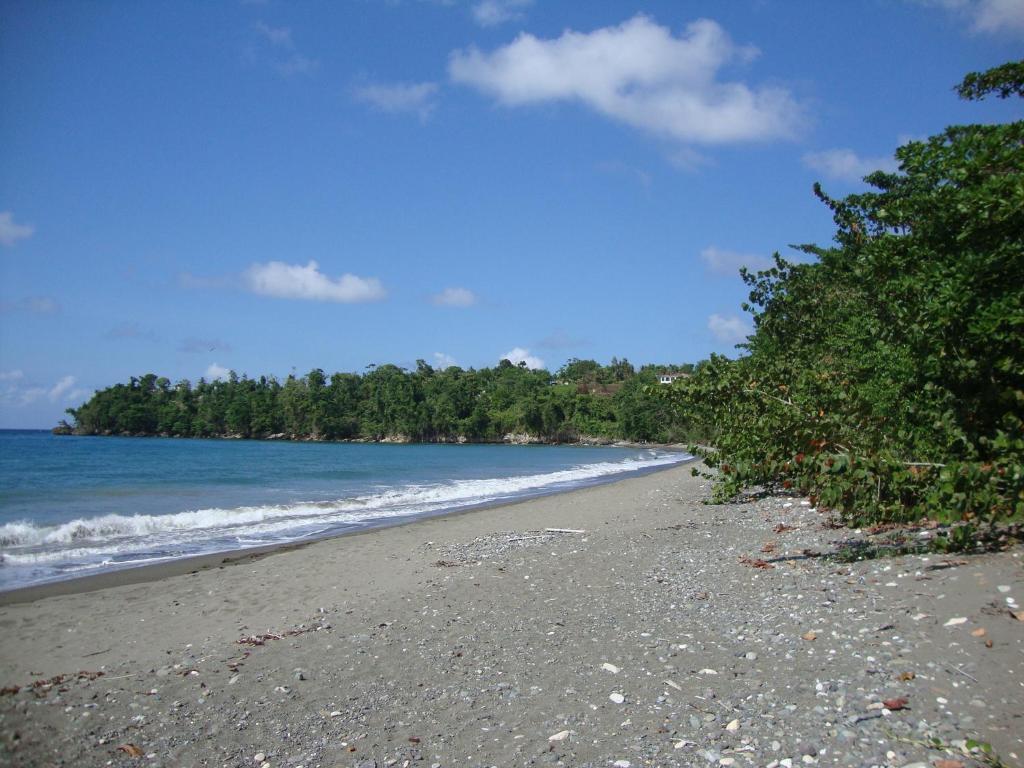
[667,633]
[140,574]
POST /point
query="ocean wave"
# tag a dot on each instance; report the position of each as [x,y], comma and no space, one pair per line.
[96,538]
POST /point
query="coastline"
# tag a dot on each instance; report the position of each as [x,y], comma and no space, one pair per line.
[480,638]
[137,574]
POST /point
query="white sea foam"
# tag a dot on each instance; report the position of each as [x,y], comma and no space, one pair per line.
[88,542]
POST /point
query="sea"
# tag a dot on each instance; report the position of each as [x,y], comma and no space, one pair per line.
[74,506]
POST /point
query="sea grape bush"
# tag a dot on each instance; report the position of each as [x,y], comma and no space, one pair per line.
[885,378]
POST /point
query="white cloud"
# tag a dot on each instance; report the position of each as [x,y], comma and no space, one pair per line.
[728,330]
[520,355]
[11,232]
[640,74]
[490,13]
[216,372]
[986,16]
[417,98]
[294,281]
[13,394]
[61,388]
[847,165]
[454,297]
[723,262]
[443,360]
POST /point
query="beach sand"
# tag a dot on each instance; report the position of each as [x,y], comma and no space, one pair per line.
[481,639]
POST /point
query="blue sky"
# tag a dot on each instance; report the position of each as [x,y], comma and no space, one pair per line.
[268,187]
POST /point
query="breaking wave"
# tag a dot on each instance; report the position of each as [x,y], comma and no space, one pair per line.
[117,540]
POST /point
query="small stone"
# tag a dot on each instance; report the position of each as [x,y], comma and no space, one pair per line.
[776,746]
[706,671]
[786,762]
[617,698]
[621,764]
[1003,588]
[956,621]
[727,761]
[610,668]
[561,735]
[336,713]
[734,725]
[750,656]
[259,757]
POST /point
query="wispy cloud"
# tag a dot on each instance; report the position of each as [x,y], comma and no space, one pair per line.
[279,44]
[394,98]
[454,297]
[720,261]
[519,355]
[1004,17]
[560,339]
[640,74]
[11,231]
[294,281]
[490,13]
[131,330]
[39,305]
[847,165]
[279,37]
[297,64]
[729,329]
[625,170]
[14,393]
[192,345]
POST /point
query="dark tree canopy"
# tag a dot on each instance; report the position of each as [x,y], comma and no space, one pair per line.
[388,402]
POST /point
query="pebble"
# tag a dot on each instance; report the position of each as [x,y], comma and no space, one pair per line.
[610,668]
[558,736]
[259,757]
[617,698]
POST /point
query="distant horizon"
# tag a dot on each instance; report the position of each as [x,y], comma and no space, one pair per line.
[271,187]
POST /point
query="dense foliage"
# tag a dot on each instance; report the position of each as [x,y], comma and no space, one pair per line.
[584,400]
[886,378]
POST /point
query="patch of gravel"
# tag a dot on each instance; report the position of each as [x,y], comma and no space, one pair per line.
[666,633]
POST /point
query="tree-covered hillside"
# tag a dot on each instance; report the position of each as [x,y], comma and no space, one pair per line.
[584,400]
[886,378]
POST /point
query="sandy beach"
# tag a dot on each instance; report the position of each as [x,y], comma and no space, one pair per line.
[666,633]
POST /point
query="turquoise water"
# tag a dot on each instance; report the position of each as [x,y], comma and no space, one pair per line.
[71,506]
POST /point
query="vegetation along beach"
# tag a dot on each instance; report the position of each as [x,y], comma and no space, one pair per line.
[792,537]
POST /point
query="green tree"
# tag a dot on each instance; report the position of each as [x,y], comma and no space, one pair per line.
[886,378]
